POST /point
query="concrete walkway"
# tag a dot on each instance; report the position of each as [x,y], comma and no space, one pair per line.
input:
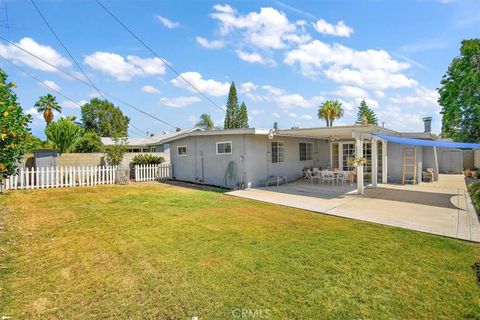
[458,220]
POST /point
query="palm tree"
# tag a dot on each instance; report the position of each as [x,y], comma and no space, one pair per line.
[47,104]
[205,121]
[329,111]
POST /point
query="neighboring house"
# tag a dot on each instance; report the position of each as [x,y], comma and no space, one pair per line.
[254,155]
[153,143]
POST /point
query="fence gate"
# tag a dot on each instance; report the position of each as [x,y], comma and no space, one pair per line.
[150,172]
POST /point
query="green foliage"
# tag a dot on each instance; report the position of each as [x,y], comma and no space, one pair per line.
[242,118]
[33,143]
[46,105]
[205,121]
[114,154]
[329,111]
[63,134]
[105,118]
[474,189]
[14,130]
[142,159]
[460,95]
[366,115]
[232,109]
[89,142]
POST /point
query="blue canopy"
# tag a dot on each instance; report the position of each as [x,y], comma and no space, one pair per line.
[428,143]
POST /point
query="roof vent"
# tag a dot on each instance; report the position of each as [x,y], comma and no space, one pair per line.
[427,122]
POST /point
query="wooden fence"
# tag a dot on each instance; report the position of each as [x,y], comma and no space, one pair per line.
[61,177]
[150,172]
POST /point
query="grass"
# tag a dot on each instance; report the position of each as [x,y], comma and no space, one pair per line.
[166,252]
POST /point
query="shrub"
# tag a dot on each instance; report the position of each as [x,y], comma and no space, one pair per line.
[89,142]
[146,159]
[63,134]
[474,189]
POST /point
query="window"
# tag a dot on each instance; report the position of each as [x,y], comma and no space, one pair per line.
[278,151]
[348,155]
[306,151]
[224,147]
[182,151]
[335,164]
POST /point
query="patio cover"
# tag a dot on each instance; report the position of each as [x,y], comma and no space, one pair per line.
[428,143]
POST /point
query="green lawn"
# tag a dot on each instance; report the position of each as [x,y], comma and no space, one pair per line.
[166,252]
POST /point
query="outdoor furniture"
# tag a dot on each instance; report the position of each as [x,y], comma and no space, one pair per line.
[312,177]
[428,176]
[275,180]
[328,176]
[342,177]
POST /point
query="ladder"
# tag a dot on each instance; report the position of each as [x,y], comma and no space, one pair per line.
[409,165]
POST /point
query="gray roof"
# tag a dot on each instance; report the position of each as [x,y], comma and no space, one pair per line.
[156,139]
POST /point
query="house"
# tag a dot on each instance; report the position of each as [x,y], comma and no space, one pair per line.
[251,156]
[152,143]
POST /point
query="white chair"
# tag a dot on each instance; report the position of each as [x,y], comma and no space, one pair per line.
[342,177]
[328,176]
[311,176]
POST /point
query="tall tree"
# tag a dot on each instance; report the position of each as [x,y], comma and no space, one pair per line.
[232,108]
[366,115]
[242,118]
[63,134]
[460,95]
[205,121]
[14,131]
[329,111]
[105,118]
[89,142]
[46,105]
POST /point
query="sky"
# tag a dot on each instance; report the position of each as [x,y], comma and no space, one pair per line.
[285,57]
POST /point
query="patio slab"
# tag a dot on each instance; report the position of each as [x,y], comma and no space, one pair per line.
[420,207]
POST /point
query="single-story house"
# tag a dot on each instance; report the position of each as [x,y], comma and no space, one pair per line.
[152,143]
[252,156]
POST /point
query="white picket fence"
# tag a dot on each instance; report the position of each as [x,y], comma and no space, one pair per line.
[150,172]
[61,177]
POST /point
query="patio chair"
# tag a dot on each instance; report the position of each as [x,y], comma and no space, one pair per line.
[312,177]
[328,176]
[428,175]
[343,177]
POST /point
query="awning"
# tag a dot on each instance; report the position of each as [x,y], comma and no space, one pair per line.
[428,143]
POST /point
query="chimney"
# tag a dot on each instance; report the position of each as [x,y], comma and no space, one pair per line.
[275,126]
[427,121]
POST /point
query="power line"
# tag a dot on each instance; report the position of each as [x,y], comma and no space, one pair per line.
[131,124]
[64,46]
[40,81]
[88,84]
[165,62]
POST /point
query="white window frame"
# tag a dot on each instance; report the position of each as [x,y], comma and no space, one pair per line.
[186,151]
[311,154]
[224,153]
[278,153]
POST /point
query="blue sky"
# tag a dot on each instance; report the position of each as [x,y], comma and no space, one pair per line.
[285,57]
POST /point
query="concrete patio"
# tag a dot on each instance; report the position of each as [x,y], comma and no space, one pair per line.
[443,207]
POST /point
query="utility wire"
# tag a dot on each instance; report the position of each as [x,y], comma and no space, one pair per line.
[40,81]
[65,47]
[165,62]
[88,84]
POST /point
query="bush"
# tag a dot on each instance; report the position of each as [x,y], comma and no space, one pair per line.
[89,142]
[142,159]
[474,189]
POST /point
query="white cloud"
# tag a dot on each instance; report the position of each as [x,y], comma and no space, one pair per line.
[253,57]
[287,100]
[379,93]
[369,68]
[351,92]
[210,86]
[32,111]
[266,29]
[167,23]
[276,115]
[422,97]
[124,69]
[257,112]
[47,53]
[67,104]
[306,117]
[179,102]
[150,89]
[210,44]
[247,87]
[292,114]
[51,84]
[339,30]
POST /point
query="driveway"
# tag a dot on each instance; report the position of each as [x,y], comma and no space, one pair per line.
[443,207]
